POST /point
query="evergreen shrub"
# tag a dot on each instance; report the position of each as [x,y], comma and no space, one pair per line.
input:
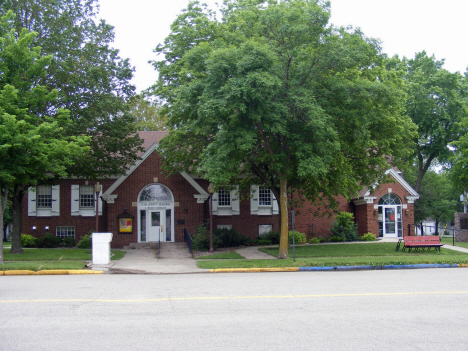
[28,241]
[48,240]
[85,242]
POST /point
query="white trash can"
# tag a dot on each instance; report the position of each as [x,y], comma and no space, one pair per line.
[101,248]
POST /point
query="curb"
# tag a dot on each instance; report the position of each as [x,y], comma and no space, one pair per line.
[336,268]
[51,272]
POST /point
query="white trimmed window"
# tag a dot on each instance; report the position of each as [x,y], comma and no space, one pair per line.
[264,196]
[65,232]
[82,201]
[87,196]
[44,196]
[262,201]
[44,201]
[226,202]
[224,198]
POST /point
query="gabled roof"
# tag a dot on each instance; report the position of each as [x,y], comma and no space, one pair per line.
[395,174]
[150,144]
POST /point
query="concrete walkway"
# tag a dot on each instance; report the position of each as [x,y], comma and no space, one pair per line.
[173,258]
[253,253]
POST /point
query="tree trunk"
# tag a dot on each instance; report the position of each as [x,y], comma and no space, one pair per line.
[3,202]
[283,247]
[1,241]
[17,206]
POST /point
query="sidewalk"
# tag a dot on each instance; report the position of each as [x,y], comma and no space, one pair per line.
[174,258]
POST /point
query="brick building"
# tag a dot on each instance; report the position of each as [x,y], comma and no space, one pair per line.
[145,203]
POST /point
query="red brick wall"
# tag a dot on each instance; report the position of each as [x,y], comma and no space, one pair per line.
[82,224]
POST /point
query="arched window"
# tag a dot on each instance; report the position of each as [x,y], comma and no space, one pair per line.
[155,192]
[389,199]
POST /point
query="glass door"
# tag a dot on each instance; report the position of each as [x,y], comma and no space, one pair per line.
[155,227]
[390,223]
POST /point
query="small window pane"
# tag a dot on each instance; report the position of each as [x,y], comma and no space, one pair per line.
[155,219]
[65,232]
[143,225]
[86,196]
[44,196]
[224,198]
[264,196]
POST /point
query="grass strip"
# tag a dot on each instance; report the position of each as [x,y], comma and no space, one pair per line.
[355,250]
[56,255]
[231,255]
[332,261]
[41,265]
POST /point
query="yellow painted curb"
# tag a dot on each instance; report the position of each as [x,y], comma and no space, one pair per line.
[19,272]
[463,265]
[234,270]
[51,272]
[84,271]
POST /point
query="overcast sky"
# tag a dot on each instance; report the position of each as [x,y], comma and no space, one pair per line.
[404,27]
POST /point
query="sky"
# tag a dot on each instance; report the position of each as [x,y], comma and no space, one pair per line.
[403,26]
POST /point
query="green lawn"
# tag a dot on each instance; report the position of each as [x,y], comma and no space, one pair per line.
[375,254]
[42,259]
[222,256]
[449,241]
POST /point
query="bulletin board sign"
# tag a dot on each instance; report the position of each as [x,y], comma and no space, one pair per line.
[125,222]
[125,225]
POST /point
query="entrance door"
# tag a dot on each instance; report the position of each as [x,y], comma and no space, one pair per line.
[390,223]
[156,226]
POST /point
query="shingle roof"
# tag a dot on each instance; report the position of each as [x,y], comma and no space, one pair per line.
[149,138]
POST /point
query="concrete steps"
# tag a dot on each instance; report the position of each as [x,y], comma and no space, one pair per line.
[136,246]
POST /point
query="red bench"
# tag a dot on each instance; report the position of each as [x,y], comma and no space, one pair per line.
[420,242]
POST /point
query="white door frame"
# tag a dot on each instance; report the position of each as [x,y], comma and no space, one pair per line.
[396,220]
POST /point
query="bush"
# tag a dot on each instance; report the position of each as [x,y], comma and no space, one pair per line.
[260,240]
[344,227]
[229,237]
[368,237]
[321,239]
[336,239]
[314,241]
[201,239]
[28,240]
[68,241]
[85,242]
[274,237]
[299,238]
[48,241]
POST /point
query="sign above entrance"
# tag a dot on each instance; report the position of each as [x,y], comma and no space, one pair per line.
[151,205]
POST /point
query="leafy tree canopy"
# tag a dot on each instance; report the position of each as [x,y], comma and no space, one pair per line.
[147,114]
[436,103]
[91,80]
[33,146]
[273,93]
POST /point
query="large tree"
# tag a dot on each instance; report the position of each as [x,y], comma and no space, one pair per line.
[33,147]
[275,95]
[147,114]
[90,78]
[436,103]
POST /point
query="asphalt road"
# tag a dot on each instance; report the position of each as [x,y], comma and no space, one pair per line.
[424,309]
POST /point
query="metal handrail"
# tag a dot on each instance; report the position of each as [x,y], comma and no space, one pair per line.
[188,240]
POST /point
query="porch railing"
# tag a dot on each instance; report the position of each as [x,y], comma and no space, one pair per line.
[188,240]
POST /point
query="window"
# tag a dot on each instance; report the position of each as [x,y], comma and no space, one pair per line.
[224,198]
[226,202]
[83,201]
[44,201]
[389,199]
[156,192]
[265,229]
[65,232]
[87,196]
[44,196]
[262,201]
[264,196]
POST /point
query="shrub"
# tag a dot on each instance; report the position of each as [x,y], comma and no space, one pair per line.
[260,240]
[336,239]
[229,237]
[274,237]
[85,242]
[28,240]
[314,241]
[68,241]
[321,239]
[299,238]
[48,241]
[344,227]
[201,239]
[368,237]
